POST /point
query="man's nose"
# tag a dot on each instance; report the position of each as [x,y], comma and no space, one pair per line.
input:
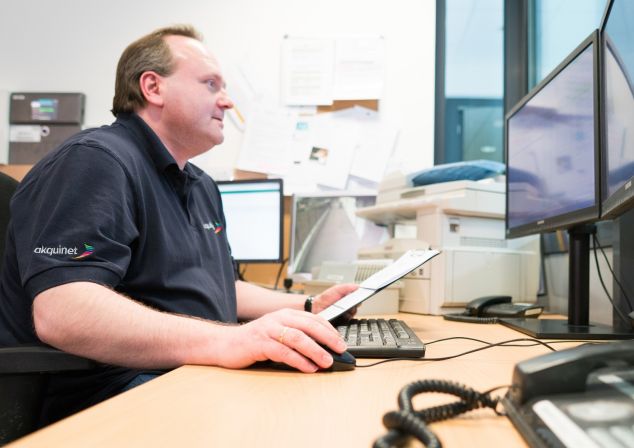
[224,101]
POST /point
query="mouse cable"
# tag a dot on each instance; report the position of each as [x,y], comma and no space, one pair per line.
[445,358]
[605,289]
[408,422]
[509,343]
[534,341]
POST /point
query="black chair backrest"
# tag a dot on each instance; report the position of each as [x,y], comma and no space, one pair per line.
[24,371]
[7,188]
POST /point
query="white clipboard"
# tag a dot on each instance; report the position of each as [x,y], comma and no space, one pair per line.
[409,261]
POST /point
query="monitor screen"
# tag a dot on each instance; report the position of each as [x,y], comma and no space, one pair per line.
[254,213]
[326,228]
[552,149]
[618,113]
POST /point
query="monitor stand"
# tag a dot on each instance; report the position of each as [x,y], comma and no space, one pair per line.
[577,325]
[562,329]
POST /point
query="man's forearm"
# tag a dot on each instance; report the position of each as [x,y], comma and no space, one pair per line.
[255,301]
[93,321]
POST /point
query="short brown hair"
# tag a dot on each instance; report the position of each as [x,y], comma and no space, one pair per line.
[149,53]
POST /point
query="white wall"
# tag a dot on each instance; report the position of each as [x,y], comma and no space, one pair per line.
[73,45]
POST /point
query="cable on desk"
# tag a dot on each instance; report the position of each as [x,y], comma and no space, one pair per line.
[509,343]
[534,341]
[407,422]
[489,345]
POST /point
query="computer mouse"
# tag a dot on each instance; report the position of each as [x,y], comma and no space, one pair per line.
[340,363]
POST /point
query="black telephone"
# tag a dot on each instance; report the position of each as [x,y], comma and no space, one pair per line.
[586,389]
[488,309]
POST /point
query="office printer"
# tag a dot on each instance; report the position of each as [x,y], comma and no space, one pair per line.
[465,220]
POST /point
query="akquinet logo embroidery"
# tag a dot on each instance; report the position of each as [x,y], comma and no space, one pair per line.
[216,227]
[61,250]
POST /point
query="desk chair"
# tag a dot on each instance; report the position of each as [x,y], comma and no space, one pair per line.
[7,188]
[24,370]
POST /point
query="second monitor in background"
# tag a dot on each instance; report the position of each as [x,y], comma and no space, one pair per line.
[325,227]
[552,156]
[254,211]
[618,110]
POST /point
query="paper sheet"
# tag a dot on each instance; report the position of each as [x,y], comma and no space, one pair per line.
[323,150]
[375,144]
[267,140]
[359,68]
[409,261]
[307,71]
[318,70]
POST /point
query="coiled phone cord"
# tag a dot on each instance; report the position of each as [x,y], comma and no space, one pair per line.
[407,422]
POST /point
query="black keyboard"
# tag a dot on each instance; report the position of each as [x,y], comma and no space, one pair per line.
[381,338]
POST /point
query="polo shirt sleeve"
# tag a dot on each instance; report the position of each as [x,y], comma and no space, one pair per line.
[75,221]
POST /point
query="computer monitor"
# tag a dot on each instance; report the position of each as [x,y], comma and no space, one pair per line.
[325,227]
[618,112]
[552,160]
[254,211]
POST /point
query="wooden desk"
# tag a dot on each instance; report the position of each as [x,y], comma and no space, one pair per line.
[198,406]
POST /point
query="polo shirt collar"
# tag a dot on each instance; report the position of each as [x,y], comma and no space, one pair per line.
[163,160]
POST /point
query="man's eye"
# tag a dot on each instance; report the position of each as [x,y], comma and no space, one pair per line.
[212,84]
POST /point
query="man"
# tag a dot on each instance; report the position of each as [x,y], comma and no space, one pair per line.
[110,255]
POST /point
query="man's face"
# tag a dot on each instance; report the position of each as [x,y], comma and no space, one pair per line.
[195,99]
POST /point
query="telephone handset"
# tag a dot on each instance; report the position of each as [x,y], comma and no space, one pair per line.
[568,371]
[586,389]
[488,309]
[482,305]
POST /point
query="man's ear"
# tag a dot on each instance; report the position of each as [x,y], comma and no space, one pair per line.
[152,87]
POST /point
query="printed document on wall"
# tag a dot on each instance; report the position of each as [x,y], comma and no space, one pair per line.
[324,153]
[376,143]
[266,147]
[359,68]
[307,71]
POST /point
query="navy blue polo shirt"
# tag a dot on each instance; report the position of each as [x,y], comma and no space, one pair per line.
[111,206]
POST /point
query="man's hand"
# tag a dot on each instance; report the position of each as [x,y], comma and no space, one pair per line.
[287,336]
[283,334]
[331,295]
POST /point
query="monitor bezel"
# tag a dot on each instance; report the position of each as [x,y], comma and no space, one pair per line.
[301,275]
[622,199]
[606,15]
[582,216]
[280,257]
